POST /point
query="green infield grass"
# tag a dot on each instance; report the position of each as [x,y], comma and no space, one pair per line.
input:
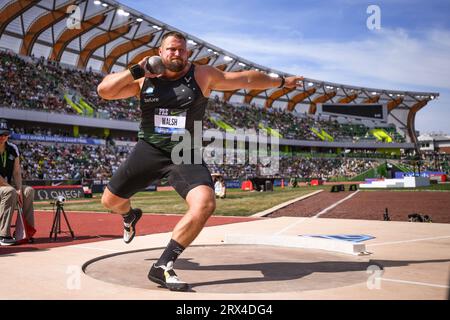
[237,202]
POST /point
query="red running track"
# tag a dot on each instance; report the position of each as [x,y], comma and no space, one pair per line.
[92,227]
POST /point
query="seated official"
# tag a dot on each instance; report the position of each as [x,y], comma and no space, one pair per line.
[12,193]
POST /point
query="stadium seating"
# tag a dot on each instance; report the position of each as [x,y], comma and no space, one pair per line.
[75,161]
[31,83]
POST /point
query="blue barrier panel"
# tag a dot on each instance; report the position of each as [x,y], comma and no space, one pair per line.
[344,237]
[41,138]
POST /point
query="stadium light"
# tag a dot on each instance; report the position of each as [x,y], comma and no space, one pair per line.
[210,50]
[310,84]
[157,27]
[432,97]
[97,3]
[139,20]
[192,42]
[227,58]
[122,12]
[105,5]
[242,64]
[273,75]
[374,93]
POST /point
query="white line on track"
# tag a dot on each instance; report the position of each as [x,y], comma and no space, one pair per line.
[404,241]
[285,204]
[290,226]
[334,205]
[95,248]
[416,283]
[317,215]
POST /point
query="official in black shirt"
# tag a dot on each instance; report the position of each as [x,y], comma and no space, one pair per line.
[12,192]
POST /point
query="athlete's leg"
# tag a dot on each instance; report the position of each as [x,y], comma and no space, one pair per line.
[201,202]
[192,182]
[115,203]
[144,165]
[123,206]
[201,205]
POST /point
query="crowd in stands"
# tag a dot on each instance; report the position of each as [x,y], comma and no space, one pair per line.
[73,161]
[76,161]
[325,168]
[288,124]
[69,161]
[30,86]
[40,84]
[435,162]
[39,131]
[302,168]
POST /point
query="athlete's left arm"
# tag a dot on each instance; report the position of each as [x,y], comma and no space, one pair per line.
[225,81]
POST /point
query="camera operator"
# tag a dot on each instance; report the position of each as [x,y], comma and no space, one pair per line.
[10,196]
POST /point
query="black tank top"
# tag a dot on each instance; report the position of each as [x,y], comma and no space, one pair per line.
[7,159]
[170,106]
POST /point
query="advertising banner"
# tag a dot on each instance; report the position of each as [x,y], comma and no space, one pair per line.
[52,192]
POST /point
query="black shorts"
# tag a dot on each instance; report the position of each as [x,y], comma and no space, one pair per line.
[147,164]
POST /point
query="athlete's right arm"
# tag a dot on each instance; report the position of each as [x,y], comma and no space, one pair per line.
[120,85]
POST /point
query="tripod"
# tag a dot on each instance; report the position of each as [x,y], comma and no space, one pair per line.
[56,227]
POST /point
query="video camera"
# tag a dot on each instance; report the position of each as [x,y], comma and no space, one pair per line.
[59,201]
[56,226]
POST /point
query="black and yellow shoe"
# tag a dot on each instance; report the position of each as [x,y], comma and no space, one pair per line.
[129,225]
[166,277]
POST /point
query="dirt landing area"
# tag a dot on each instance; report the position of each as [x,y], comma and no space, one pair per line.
[370,205]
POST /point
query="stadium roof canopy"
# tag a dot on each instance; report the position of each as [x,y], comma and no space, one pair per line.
[108,36]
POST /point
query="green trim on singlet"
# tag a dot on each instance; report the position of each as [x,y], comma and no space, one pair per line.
[161,141]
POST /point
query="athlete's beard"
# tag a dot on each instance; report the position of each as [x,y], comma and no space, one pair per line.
[176,65]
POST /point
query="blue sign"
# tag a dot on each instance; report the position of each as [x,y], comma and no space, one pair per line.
[40,138]
[233,184]
[344,237]
[400,175]
[277,182]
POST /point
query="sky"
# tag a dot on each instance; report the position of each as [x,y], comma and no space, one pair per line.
[332,40]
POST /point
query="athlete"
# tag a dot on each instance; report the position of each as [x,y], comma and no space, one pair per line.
[170,103]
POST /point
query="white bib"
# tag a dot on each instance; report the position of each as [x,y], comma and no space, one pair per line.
[170,120]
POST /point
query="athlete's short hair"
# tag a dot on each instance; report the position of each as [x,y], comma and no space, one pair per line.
[175,34]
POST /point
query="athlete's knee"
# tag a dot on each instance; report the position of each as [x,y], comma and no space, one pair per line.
[115,203]
[205,208]
[210,206]
[108,200]
[105,201]
[201,202]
